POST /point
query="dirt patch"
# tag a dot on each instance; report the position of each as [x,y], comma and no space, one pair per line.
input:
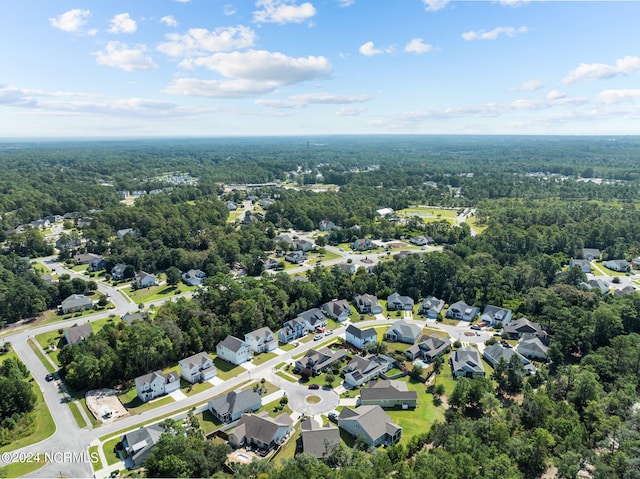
[105,405]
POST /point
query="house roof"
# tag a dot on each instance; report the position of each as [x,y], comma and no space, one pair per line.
[135,316]
[431,344]
[372,419]
[261,333]
[140,275]
[235,402]
[76,300]
[467,358]
[366,300]
[496,351]
[319,441]
[142,440]
[337,307]
[78,333]
[322,357]
[406,329]
[496,313]
[524,326]
[432,303]
[152,376]
[361,333]
[261,427]
[232,343]
[388,389]
[595,252]
[313,316]
[397,298]
[197,360]
[530,345]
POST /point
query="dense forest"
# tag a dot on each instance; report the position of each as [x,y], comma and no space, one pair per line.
[541,199]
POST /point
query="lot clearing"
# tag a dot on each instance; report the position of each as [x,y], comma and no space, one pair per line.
[105,405]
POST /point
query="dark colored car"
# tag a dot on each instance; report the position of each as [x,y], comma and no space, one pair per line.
[314,386]
[49,377]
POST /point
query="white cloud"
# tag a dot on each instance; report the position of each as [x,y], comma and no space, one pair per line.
[347,111]
[219,88]
[531,85]
[229,10]
[493,34]
[368,49]
[302,100]
[198,41]
[599,71]
[283,11]
[435,5]
[119,55]
[71,21]
[513,3]
[346,3]
[169,20]
[556,95]
[122,23]
[610,97]
[262,65]
[417,45]
[183,1]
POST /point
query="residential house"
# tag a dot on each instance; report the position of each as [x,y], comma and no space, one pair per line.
[346,268]
[266,202]
[293,329]
[269,263]
[152,385]
[598,284]
[40,224]
[95,261]
[139,443]
[197,368]
[431,307]
[461,310]
[384,212]
[338,309]
[314,319]
[367,304]
[234,350]
[591,253]
[492,354]
[260,432]
[261,340]
[371,424]
[319,360]
[120,234]
[143,280]
[363,244]
[230,406]
[403,332]
[360,337]
[522,327]
[389,393]
[132,316]
[361,370]
[635,263]
[117,272]
[47,279]
[194,277]
[84,222]
[619,265]
[231,206]
[396,302]
[296,257]
[466,362]
[319,442]
[75,302]
[532,347]
[421,240]
[326,225]
[624,291]
[66,243]
[428,348]
[302,245]
[494,315]
[583,264]
[77,333]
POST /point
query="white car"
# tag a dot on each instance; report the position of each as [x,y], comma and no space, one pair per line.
[329,333]
[318,337]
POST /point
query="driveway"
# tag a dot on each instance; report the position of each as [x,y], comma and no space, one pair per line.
[307,401]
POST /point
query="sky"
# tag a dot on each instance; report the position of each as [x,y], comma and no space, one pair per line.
[179,68]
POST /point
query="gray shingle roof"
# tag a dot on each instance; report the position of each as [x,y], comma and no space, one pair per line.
[232,343]
[361,333]
[235,402]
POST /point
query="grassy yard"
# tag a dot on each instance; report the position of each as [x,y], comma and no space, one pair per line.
[234,215]
[428,211]
[263,358]
[146,295]
[288,450]
[109,450]
[287,347]
[21,469]
[270,409]
[77,415]
[287,376]
[195,388]
[97,465]
[43,425]
[134,405]
[208,421]
[227,370]
[43,359]
[417,421]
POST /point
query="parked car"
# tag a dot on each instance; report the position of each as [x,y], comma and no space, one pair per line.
[314,386]
[49,377]
[329,332]
[318,337]
[333,417]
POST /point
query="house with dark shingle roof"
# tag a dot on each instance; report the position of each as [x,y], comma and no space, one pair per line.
[522,327]
[403,332]
[495,314]
[194,277]
[492,354]
[360,370]
[619,265]
[591,253]
[396,302]
[532,347]
[319,360]
[230,406]
[152,385]
[583,264]
[197,368]
[338,309]
[461,310]
[260,431]
[371,424]
[360,337]
[389,393]
[428,348]
[367,304]
[77,333]
[320,442]
[234,350]
[313,318]
[363,244]
[431,307]
[466,362]
[261,340]
[293,329]
[139,443]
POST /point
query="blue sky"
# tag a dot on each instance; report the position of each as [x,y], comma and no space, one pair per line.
[293,67]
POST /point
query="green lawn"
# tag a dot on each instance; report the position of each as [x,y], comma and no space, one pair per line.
[43,359]
[288,450]
[263,358]
[109,450]
[208,421]
[97,465]
[227,370]
[77,415]
[416,421]
[43,425]
[287,347]
[134,405]
[21,469]
[195,388]
[146,295]
[428,211]
[234,215]
[287,376]
[269,409]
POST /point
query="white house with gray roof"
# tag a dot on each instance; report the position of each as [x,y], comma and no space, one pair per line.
[371,424]
[428,348]
[397,302]
[367,304]
[403,332]
[234,350]
[319,360]
[532,347]
[261,340]
[194,277]
[389,393]
[466,362]
[229,407]
[338,309]
[152,385]
[360,337]
[431,307]
[74,303]
[140,442]
[461,310]
[197,368]
[362,370]
[495,314]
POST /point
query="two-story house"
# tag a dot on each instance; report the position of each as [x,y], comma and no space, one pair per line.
[261,340]
[152,385]
[234,350]
[197,368]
